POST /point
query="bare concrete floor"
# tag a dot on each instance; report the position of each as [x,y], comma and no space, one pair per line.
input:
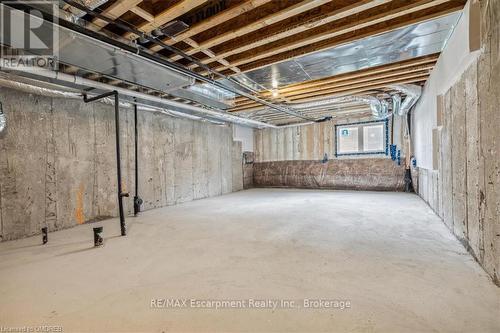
[386,253]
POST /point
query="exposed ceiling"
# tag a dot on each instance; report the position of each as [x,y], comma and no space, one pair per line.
[286,51]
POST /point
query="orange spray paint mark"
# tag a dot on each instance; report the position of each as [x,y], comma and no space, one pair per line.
[80,217]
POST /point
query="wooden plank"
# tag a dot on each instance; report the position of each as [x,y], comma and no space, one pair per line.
[387,17]
[142,13]
[370,78]
[255,25]
[212,55]
[375,83]
[418,64]
[167,15]
[114,11]
[349,37]
[222,17]
[415,62]
[365,89]
[293,25]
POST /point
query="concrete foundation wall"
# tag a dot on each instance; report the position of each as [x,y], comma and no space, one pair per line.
[464,190]
[291,157]
[58,162]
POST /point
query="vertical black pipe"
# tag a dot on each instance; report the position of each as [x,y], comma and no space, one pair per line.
[118,165]
[123,228]
[135,152]
[137,199]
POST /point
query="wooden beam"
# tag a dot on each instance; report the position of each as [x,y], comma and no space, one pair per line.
[295,9]
[209,53]
[362,89]
[113,12]
[343,91]
[407,66]
[325,14]
[142,13]
[377,82]
[413,64]
[222,17]
[167,15]
[343,31]
[394,75]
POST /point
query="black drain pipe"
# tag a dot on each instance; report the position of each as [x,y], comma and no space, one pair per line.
[118,163]
[137,199]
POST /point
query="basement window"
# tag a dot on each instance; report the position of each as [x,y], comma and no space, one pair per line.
[362,138]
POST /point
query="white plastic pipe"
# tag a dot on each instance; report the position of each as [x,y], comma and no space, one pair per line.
[99,85]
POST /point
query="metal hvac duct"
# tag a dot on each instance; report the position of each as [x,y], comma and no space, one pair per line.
[45,89]
[370,100]
[379,107]
[412,93]
[396,104]
[117,63]
[171,106]
[91,54]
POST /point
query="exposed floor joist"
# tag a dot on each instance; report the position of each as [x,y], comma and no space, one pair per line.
[251,34]
[116,10]
[332,36]
[167,15]
[392,72]
[313,18]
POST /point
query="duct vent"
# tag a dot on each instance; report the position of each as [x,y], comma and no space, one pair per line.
[174,28]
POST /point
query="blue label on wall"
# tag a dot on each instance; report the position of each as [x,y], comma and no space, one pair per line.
[345,132]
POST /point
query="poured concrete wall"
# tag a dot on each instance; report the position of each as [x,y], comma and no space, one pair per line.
[464,189]
[58,162]
[291,157]
[453,61]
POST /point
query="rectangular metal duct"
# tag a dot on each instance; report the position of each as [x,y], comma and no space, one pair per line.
[90,54]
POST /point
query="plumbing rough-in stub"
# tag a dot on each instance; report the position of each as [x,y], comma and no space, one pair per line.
[98,240]
[45,235]
[137,204]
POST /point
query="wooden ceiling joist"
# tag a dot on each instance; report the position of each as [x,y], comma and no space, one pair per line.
[222,17]
[142,13]
[344,92]
[391,76]
[341,32]
[245,35]
[415,80]
[167,15]
[324,14]
[420,64]
[424,63]
[401,65]
[376,82]
[114,11]
[417,77]
[295,9]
